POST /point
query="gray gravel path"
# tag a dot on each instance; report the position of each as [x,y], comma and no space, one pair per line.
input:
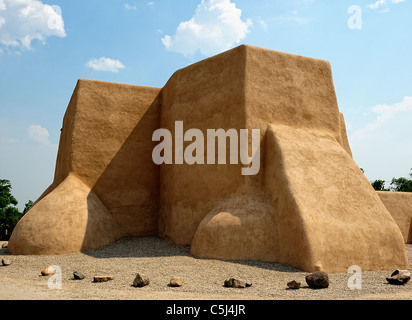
[160,261]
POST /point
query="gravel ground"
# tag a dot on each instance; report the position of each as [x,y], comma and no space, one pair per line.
[160,261]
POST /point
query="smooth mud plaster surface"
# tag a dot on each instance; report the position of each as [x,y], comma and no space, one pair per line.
[310,206]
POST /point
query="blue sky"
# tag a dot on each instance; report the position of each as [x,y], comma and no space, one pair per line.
[45,46]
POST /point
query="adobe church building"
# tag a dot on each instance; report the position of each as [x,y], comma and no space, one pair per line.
[309,205]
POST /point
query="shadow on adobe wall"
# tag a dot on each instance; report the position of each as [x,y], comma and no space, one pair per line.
[129,186]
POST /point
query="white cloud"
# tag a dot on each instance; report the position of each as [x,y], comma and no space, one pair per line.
[151,3]
[38,134]
[23,21]
[388,111]
[383,146]
[385,115]
[377,4]
[380,3]
[130,7]
[216,26]
[105,64]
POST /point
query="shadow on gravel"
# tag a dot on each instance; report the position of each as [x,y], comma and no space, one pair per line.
[140,247]
[148,247]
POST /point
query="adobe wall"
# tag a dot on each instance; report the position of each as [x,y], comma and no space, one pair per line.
[106,185]
[320,197]
[309,205]
[399,204]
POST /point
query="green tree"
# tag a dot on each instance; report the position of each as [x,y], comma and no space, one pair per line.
[379,185]
[401,185]
[9,213]
[9,218]
[6,198]
[27,207]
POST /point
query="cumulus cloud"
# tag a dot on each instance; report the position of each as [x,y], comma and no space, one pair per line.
[38,134]
[383,147]
[216,26]
[385,115]
[22,21]
[105,64]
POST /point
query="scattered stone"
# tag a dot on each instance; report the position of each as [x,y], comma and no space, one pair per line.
[78,276]
[5,262]
[294,285]
[318,280]
[48,271]
[176,282]
[4,245]
[141,280]
[236,283]
[399,277]
[102,278]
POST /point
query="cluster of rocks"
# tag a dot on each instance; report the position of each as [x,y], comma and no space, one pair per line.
[141,280]
[48,271]
[320,279]
[316,280]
